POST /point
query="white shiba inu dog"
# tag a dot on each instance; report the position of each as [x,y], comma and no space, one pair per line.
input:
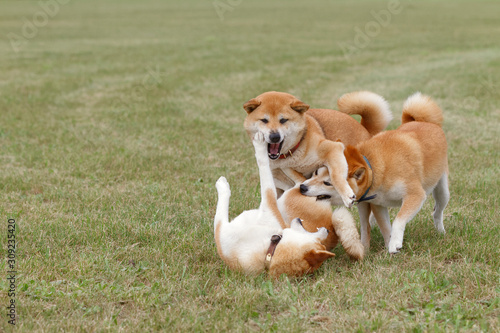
[260,239]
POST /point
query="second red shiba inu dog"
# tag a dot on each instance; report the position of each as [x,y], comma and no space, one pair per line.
[396,168]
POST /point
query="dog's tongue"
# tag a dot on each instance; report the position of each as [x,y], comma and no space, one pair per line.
[274,148]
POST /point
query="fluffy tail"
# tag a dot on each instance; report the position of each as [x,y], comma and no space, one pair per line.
[344,226]
[373,109]
[420,107]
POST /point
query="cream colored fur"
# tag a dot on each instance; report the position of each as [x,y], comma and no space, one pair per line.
[244,242]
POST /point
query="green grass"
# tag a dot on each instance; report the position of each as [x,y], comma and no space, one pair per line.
[118,117]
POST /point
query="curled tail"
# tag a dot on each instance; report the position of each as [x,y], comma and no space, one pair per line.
[420,107]
[373,109]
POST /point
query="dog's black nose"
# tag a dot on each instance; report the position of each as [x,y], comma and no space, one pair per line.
[303,188]
[274,137]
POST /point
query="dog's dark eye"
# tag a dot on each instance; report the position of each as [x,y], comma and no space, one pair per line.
[264,120]
[327,183]
[283,120]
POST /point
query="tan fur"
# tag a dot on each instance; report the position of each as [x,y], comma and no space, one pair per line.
[316,214]
[298,261]
[273,206]
[367,105]
[292,121]
[313,214]
[406,165]
[419,107]
[349,133]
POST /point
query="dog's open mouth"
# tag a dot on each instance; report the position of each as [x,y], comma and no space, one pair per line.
[323,197]
[274,149]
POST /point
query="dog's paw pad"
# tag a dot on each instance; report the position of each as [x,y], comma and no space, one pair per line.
[348,202]
[394,248]
[259,138]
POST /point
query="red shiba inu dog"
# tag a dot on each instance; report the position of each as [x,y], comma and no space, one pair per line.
[300,140]
[396,168]
[261,239]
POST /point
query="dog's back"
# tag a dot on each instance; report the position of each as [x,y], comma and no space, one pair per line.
[417,150]
[423,118]
[373,109]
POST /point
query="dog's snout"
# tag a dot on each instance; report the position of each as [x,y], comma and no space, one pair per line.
[303,188]
[274,137]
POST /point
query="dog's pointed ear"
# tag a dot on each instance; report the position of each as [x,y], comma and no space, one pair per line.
[299,106]
[359,173]
[251,105]
[315,258]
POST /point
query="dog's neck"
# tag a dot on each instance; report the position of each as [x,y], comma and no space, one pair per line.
[369,174]
[291,151]
[275,239]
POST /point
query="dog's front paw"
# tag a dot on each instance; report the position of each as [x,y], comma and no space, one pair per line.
[260,145]
[349,199]
[397,233]
[395,246]
[259,140]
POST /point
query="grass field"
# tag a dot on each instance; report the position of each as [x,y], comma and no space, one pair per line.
[117,117]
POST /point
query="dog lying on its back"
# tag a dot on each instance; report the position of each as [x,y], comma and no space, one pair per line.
[261,239]
[396,168]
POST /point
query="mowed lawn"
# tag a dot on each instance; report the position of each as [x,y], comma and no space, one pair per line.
[117,117]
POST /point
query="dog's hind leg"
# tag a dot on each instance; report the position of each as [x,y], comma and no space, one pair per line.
[412,203]
[441,195]
[383,221]
[269,201]
[222,212]
[364,214]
